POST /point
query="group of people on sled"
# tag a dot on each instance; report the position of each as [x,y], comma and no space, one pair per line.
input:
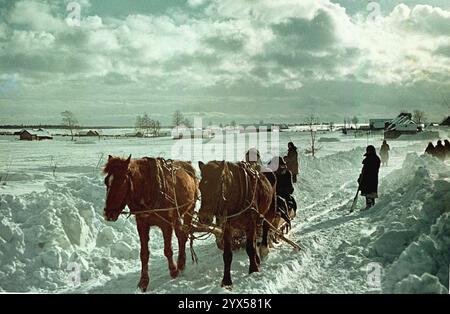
[286,171]
[441,151]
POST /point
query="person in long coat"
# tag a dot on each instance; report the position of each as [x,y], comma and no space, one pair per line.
[447,149]
[292,161]
[368,179]
[439,151]
[430,149]
[384,153]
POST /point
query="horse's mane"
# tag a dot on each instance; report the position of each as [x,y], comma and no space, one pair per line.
[188,168]
[114,164]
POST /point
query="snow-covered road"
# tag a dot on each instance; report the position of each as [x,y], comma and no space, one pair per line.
[400,245]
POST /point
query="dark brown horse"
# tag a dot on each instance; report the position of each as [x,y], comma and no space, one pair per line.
[160,193]
[237,197]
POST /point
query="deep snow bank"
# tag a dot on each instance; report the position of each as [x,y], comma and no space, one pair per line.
[46,237]
[43,234]
[412,235]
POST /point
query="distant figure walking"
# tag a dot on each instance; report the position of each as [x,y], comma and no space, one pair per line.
[292,161]
[447,149]
[384,153]
[368,179]
[439,151]
[430,149]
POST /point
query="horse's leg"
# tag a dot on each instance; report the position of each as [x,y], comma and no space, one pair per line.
[182,239]
[264,247]
[167,234]
[251,249]
[227,258]
[144,236]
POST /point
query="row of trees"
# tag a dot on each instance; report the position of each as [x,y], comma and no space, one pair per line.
[179,119]
[145,125]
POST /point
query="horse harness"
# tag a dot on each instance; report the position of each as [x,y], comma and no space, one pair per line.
[246,172]
[159,165]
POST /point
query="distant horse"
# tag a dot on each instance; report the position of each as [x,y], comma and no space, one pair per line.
[160,193]
[237,197]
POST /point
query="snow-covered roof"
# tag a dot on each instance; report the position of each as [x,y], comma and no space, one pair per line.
[403,119]
[38,133]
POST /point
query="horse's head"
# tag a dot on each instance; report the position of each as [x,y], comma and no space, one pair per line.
[118,186]
[211,189]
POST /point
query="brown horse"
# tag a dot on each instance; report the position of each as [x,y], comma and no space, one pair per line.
[237,197]
[160,193]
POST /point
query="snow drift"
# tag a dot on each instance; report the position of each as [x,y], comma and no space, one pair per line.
[42,235]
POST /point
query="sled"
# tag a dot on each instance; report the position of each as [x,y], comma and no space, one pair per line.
[239,238]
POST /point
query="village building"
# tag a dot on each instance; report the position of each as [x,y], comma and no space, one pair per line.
[403,124]
[34,135]
[88,133]
[379,124]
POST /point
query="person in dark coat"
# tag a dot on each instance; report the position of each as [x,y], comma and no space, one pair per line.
[368,179]
[292,161]
[284,188]
[447,149]
[439,151]
[384,153]
[430,149]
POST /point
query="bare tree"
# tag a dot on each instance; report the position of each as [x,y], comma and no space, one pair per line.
[311,122]
[70,121]
[177,119]
[138,124]
[146,124]
[419,116]
[331,126]
[355,121]
[446,101]
[156,127]
[187,123]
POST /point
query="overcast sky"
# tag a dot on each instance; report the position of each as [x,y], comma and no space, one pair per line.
[223,60]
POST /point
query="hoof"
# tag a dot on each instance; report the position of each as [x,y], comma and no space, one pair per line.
[143,284]
[174,273]
[227,285]
[263,251]
[253,270]
[181,265]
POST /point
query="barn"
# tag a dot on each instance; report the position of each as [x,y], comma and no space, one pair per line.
[379,124]
[34,135]
[88,133]
[403,124]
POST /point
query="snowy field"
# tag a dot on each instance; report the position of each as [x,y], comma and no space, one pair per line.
[52,226]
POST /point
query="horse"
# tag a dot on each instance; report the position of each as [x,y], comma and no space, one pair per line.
[159,193]
[237,196]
